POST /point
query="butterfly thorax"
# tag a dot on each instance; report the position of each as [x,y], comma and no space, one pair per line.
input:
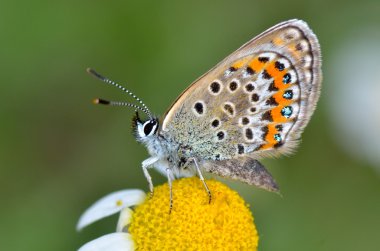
[161,145]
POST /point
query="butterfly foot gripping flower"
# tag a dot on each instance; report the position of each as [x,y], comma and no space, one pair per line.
[193,224]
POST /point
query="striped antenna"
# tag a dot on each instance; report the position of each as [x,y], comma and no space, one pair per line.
[117,103]
[144,108]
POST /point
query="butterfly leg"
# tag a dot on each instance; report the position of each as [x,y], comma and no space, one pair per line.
[145,165]
[169,175]
[202,179]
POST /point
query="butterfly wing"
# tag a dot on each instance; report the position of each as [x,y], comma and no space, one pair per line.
[254,103]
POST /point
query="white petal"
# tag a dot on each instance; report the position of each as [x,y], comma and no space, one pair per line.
[109,205]
[110,242]
[124,219]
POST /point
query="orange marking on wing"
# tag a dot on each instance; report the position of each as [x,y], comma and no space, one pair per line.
[278,41]
[269,138]
[277,75]
[281,100]
[277,116]
[256,65]
[238,64]
[278,83]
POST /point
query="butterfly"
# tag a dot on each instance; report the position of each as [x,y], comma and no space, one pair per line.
[253,104]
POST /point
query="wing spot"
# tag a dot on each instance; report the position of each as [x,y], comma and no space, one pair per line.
[287,111]
[279,66]
[199,107]
[277,137]
[266,75]
[267,116]
[271,101]
[250,71]
[249,133]
[215,123]
[272,87]
[233,86]
[279,127]
[249,87]
[263,59]
[229,109]
[220,135]
[245,121]
[287,78]
[288,94]
[215,87]
[232,69]
[240,148]
[252,109]
[255,97]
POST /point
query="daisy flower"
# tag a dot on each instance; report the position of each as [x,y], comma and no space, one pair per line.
[193,224]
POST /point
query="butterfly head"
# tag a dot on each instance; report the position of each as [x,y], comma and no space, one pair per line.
[144,129]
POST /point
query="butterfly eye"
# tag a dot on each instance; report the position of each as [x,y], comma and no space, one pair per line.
[150,127]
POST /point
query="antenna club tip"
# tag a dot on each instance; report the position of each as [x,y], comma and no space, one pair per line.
[101,101]
[95,74]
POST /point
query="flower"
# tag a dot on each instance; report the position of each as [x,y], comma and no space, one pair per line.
[193,224]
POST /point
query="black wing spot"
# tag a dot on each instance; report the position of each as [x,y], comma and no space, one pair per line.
[215,87]
[288,94]
[220,135]
[245,121]
[249,87]
[263,59]
[229,109]
[271,101]
[240,149]
[249,133]
[215,123]
[266,75]
[232,69]
[233,86]
[279,66]
[255,97]
[267,116]
[287,111]
[198,107]
[272,87]
[287,78]
[250,71]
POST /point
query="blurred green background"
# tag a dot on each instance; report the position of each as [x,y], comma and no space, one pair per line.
[59,153]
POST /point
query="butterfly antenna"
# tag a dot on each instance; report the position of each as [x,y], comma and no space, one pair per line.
[117,103]
[144,108]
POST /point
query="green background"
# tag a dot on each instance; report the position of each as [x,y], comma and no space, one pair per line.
[59,153]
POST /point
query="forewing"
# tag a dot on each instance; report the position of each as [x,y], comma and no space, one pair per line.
[256,102]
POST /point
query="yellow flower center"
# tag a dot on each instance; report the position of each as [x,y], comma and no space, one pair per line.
[194,224]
